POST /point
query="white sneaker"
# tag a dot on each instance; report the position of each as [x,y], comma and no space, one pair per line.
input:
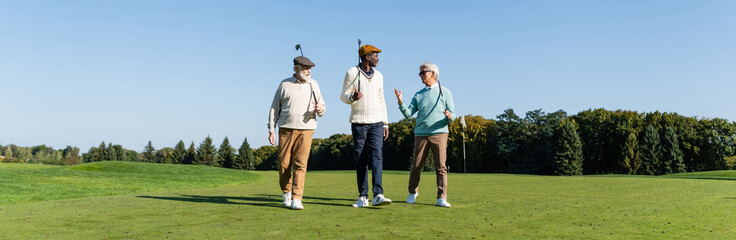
[297,204]
[380,200]
[362,202]
[287,199]
[412,198]
[442,203]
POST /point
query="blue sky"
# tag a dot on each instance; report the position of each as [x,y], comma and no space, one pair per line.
[81,72]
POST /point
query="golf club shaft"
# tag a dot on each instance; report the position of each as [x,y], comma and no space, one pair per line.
[359,42]
[442,96]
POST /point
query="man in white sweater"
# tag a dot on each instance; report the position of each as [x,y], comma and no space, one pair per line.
[295,107]
[363,90]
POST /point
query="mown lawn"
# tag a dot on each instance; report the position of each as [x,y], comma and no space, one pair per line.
[485,206]
[33,183]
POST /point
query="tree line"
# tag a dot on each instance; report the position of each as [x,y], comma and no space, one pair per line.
[206,153]
[40,154]
[596,141]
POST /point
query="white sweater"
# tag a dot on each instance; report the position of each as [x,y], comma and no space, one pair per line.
[293,105]
[371,108]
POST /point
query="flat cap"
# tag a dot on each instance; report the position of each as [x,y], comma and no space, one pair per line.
[304,61]
[367,49]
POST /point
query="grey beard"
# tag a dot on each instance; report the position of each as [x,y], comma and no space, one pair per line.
[304,77]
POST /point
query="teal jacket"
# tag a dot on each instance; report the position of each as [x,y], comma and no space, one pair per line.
[429,107]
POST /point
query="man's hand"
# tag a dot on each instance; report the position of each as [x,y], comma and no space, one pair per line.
[357,95]
[272,138]
[398,95]
[448,114]
[385,133]
[319,109]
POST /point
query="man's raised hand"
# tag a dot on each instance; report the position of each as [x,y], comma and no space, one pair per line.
[398,95]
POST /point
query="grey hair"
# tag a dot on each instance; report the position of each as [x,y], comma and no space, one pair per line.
[298,68]
[431,67]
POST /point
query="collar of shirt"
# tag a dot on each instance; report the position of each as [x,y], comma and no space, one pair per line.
[430,87]
[368,74]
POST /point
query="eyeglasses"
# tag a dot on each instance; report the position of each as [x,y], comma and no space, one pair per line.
[423,72]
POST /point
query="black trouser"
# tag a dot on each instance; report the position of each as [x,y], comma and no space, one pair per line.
[368,141]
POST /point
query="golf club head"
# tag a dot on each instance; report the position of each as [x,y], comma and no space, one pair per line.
[299,48]
[359,42]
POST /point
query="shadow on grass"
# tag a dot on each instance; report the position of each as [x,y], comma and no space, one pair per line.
[702,178]
[255,201]
[262,200]
[309,200]
[425,204]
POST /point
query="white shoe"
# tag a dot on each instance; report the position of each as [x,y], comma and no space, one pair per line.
[287,199]
[362,202]
[442,203]
[297,204]
[380,200]
[412,198]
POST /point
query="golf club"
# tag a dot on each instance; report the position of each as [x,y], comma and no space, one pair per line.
[443,101]
[359,42]
[299,47]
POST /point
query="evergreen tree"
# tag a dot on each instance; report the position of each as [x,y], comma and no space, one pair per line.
[511,135]
[148,154]
[120,152]
[226,154]
[650,151]
[87,157]
[112,154]
[206,153]
[95,154]
[191,155]
[103,156]
[672,157]
[631,160]
[244,160]
[568,150]
[179,153]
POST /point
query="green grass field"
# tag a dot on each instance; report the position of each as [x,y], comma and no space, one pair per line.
[32,183]
[485,206]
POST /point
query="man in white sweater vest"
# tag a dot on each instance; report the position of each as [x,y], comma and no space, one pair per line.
[363,90]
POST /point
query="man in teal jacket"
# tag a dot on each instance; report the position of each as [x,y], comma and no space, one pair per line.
[434,107]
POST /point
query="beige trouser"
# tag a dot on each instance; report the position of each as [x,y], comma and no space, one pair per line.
[294,147]
[422,144]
